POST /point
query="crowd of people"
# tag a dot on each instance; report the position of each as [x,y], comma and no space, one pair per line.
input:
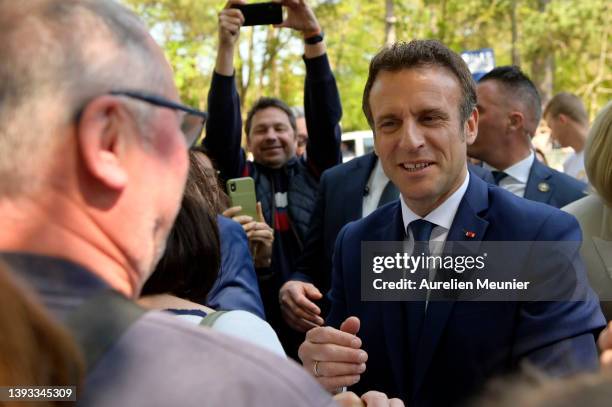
[127,273]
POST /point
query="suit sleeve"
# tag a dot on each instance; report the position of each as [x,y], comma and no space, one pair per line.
[224,127]
[236,287]
[323,112]
[559,336]
[337,295]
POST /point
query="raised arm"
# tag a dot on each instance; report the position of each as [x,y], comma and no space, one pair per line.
[321,99]
[224,125]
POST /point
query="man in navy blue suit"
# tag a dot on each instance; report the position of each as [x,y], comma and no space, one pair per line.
[420,100]
[510,110]
[347,192]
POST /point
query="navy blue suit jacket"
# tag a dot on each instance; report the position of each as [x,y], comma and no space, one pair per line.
[462,344]
[560,190]
[236,287]
[340,201]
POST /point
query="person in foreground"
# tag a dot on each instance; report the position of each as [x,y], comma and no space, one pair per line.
[420,101]
[182,281]
[94,144]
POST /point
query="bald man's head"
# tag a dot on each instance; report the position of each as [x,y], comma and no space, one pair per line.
[57,55]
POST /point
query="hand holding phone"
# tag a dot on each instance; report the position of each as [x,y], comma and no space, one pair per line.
[260,13]
[241,192]
[230,21]
[300,17]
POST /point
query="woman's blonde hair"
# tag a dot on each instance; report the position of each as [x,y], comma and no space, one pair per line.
[598,154]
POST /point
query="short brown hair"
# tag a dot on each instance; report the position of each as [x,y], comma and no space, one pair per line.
[569,105]
[264,103]
[417,54]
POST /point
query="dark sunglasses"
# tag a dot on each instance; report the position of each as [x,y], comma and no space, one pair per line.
[193,120]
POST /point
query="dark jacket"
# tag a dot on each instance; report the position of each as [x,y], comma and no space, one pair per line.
[323,112]
[552,187]
[460,344]
[340,201]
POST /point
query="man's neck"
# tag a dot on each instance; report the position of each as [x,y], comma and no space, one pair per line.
[69,234]
[422,208]
[507,158]
[578,140]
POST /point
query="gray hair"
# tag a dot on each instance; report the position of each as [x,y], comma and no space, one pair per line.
[58,55]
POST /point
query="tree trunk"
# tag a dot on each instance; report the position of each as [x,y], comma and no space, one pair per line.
[390,21]
[543,66]
[516,60]
[245,83]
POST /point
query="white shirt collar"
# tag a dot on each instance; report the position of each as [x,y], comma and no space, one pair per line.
[520,170]
[444,214]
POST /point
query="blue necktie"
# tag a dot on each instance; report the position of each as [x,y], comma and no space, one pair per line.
[415,310]
[421,232]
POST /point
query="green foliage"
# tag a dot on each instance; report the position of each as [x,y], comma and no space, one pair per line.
[572,35]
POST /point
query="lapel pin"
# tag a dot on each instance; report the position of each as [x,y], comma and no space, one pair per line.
[543,187]
[469,234]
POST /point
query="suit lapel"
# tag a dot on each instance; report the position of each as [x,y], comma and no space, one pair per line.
[392,313]
[538,188]
[361,175]
[467,226]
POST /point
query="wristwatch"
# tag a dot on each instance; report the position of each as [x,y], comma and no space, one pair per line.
[314,39]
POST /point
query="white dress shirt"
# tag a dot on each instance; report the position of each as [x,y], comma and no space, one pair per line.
[574,166]
[518,174]
[442,217]
[376,185]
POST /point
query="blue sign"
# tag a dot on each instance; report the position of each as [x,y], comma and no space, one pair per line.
[480,61]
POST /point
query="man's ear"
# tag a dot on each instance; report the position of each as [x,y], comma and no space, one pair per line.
[471,128]
[516,120]
[563,119]
[102,136]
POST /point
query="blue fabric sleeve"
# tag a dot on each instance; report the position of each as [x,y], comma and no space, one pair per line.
[236,287]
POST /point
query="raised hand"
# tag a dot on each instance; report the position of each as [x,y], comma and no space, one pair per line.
[300,16]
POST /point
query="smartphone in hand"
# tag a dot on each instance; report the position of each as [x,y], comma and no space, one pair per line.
[242,193]
[261,13]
